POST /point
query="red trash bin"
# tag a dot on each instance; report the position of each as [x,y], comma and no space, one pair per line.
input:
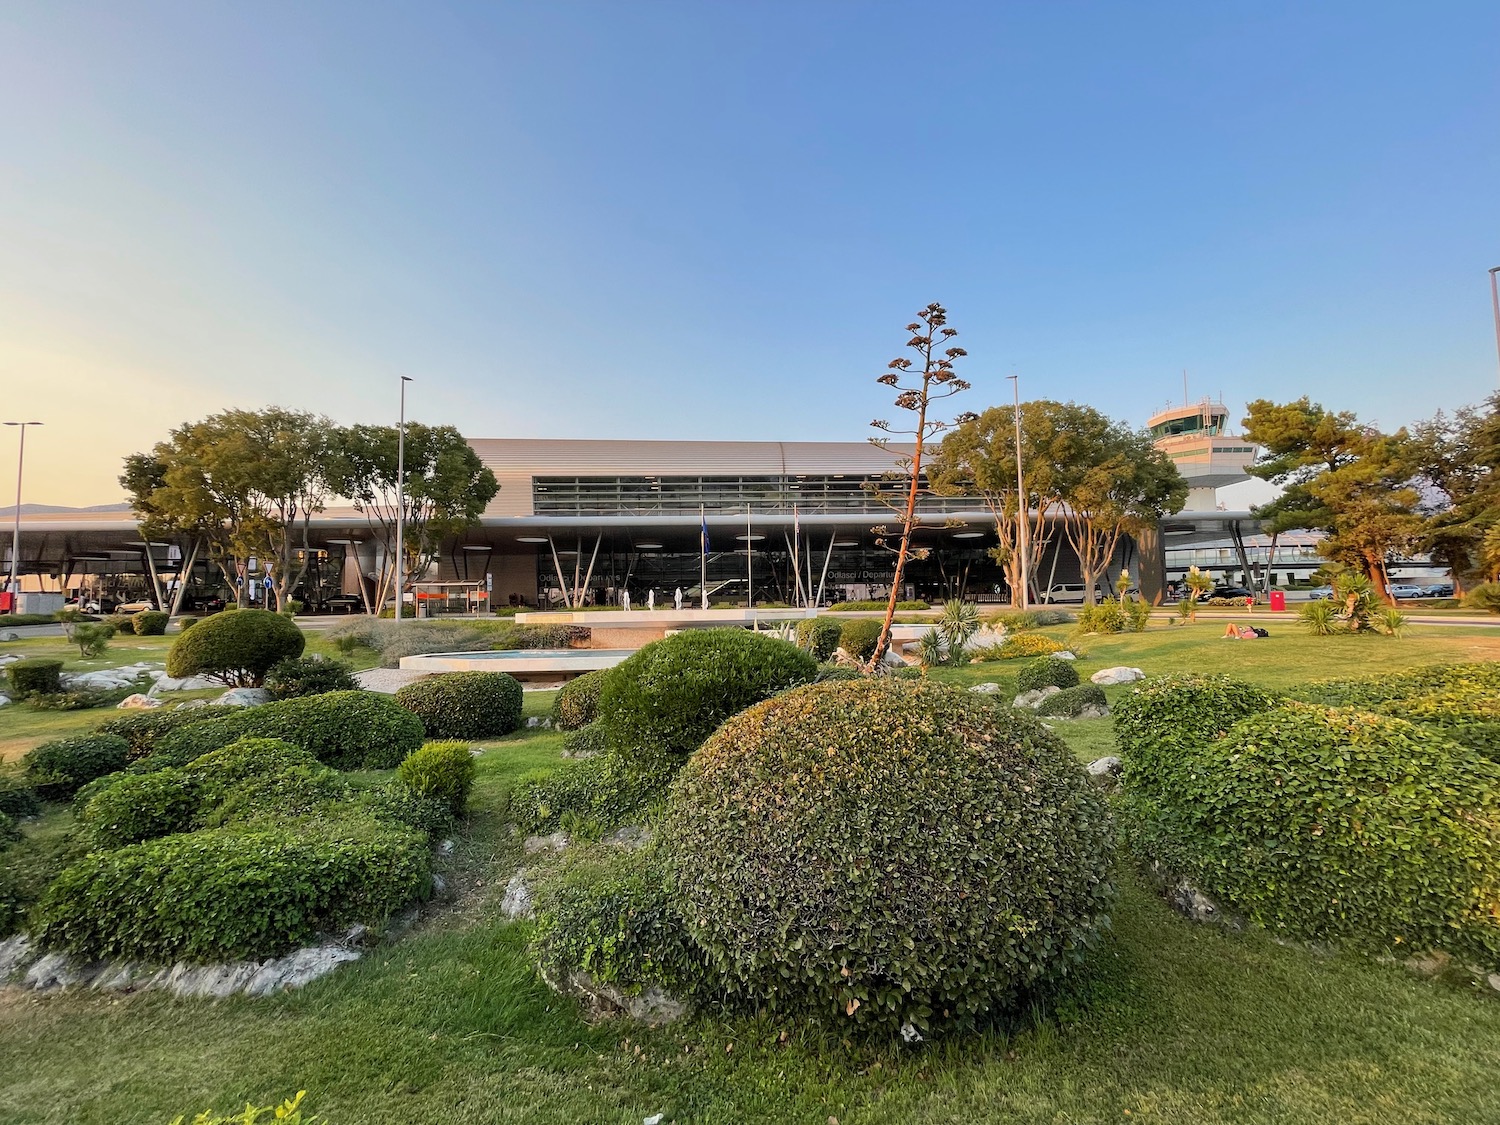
[1278,601]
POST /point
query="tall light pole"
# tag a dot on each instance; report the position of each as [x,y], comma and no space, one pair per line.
[15,540]
[1023,516]
[401,499]
[1495,304]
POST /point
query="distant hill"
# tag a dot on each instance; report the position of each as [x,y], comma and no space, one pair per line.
[9,512]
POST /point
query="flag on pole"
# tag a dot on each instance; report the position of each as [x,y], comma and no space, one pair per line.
[704,518]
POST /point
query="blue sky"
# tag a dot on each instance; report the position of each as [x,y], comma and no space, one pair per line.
[711,220]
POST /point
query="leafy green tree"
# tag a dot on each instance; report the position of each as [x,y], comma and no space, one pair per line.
[447,488]
[1341,477]
[1458,463]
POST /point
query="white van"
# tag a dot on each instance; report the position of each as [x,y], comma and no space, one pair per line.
[1068,593]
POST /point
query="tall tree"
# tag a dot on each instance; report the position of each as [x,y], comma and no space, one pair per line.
[144,474]
[1458,467]
[1115,482]
[1341,477]
[447,487]
[978,458]
[924,386]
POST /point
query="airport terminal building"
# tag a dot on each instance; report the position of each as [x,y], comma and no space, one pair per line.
[581,522]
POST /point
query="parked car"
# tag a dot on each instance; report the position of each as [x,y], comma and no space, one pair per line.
[138,606]
[1066,593]
[1238,593]
[344,603]
[1438,590]
[1323,593]
[1404,590]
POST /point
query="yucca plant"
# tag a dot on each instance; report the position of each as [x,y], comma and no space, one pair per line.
[1391,621]
[1321,618]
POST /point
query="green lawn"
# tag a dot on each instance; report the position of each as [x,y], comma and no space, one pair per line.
[1172,1022]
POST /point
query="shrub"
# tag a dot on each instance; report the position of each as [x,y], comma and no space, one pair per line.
[577,702]
[859,637]
[121,623]
[214,775]
[1390,621]
[465,704]
[86,699]
[589,796]
[1106,617]
[348,730]
[92,640]
[186,623]
[235,648]
[1046,671]
[139,807]
[1162,720]
[57,769]
[295,677]
[823,872]
[150,623]
[443,771]
[1335,824]
[144,729]
[1485,596]
[288,1112]
[17,799]
[34,675]
[671,695]
[10,831]
[585,742]
[873,606]
[399,803]
[820,637]
[13,904]
[1072,702]
[1137,614]
[1022,620]
[1463,700]
[231,893]
[610,913]
[1320,617]
[827,672]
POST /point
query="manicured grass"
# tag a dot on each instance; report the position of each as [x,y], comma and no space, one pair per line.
[1170,1021]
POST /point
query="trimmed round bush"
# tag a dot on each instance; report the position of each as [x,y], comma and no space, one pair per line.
[1165,720]
[232,893]
[143,730]
[1330,824]
[150,623]
[443,771]
[820,636]
[259,760]
[1046,671]
[17,799]
[577,702]
[138,807]
[859,636]
[671,695]
[348,730]
[34,675]
[889,852]
[465,704]
[398,803]
[235,648]
[1072,702]
[296,677]
[56,770]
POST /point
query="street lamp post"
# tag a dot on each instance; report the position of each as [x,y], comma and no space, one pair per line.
[401,499]
[15,540]
[1495,304]
[1023,516]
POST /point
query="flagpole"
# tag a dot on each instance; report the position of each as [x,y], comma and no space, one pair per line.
[796,552]
[749,564]
[703,554]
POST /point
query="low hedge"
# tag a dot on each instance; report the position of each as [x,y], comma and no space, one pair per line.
[465,704]
[35,675]
[1331,824]
[859,637]
[662,702]
[1461,700]
[1046,671]
[820,637]
[138,807]
[347,730]
[611,913]
[588,796]
[236,648]
[17,798]
[1020,645]
[10,831]
[823,873]
[57,769]
[232,893]
[296,677]
[577,702]
[874,606]
[150,623]
[399,803]
[443,771]
[1072,702]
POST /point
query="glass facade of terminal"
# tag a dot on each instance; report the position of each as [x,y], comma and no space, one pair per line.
[652,495]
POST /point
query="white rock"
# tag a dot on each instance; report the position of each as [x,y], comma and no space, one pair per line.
[137,702]
[243,697]
[4,700]
[54,970]
[298,968]
[985,688]
[445,847]
[516,901]
[553,843]
[15,953]
[1117,675]
[1106,770]
[654,1119]
[985,638]
[910,1034]
[190,683]
[1034,698]
[1064,655]
[1494,981]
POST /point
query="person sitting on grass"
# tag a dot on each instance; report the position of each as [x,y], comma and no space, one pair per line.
[1233,632]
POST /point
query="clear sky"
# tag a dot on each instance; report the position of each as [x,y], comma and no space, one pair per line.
[711,220]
